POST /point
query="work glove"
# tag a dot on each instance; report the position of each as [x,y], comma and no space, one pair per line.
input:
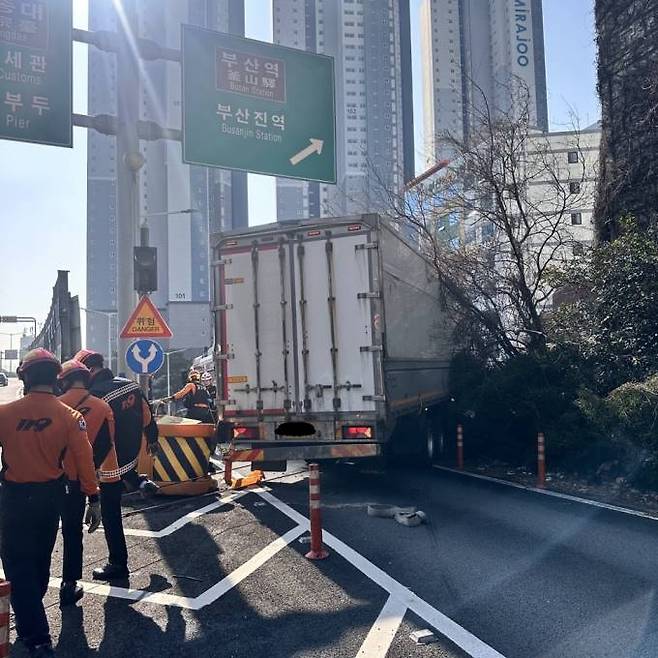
[93,516]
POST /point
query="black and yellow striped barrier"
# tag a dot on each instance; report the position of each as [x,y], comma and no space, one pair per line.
[180,467]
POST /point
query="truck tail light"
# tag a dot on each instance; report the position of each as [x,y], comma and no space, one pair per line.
[241,432]
[357,432]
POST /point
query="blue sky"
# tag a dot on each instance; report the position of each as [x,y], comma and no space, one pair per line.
[43,189]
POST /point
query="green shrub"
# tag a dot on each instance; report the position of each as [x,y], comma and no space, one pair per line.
[504,406]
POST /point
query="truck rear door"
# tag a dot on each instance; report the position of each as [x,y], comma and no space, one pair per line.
[334,320]
[257,328]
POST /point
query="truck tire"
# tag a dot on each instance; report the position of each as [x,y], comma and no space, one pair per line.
[427,441]
[430,443]
[414,441]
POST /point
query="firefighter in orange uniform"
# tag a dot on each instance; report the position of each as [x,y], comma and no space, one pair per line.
[73,383]
[35,432]
[132,417]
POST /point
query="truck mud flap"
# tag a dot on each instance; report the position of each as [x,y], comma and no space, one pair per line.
[306,452]
[279,466]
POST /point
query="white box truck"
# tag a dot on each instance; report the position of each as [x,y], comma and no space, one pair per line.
[327,334]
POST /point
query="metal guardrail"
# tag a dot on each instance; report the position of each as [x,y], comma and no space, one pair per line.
[61,331]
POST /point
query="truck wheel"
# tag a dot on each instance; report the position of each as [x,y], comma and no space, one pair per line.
[413,442]
[430,444]
[427,443]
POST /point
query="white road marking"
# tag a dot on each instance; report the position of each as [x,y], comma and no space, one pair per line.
[237,576]
[554,494]
[381,635]
[184,520]
[401,598]
[443,624]
[143,596]
[191,603]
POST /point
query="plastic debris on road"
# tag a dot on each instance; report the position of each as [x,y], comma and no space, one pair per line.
[388,511]
[423,637]
[411,520]
[255,477]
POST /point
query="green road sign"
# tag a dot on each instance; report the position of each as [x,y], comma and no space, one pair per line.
[257,107]
[35,71]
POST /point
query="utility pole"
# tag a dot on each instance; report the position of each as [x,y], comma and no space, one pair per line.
[130,161]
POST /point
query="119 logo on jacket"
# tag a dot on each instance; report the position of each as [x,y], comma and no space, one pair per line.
[27,424]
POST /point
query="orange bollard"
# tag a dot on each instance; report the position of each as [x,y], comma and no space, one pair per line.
[317,551]
[228,470]
[541,460]
[5,591]
[460,447]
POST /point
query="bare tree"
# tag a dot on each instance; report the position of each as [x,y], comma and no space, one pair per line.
[495,223]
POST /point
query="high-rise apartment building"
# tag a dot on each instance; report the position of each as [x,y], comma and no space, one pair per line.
[477,49]
[371,44]
[165,183]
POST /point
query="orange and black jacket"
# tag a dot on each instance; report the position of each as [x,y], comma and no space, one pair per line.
[100,431]
[193,395]
[132,413]
[36,432]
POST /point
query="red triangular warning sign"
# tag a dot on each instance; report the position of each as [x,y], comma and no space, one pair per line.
[146,322]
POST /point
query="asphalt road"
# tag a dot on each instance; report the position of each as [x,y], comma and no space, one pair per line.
[234,582]
[528,574]
[496,572]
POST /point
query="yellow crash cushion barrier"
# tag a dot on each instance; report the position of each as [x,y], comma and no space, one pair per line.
[181,466]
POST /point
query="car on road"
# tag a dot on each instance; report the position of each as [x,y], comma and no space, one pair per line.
[3,379]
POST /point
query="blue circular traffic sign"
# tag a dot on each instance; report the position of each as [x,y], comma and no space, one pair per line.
[144,356]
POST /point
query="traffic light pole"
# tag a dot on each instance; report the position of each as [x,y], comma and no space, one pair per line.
[144,242]
[129,49]
[129,163]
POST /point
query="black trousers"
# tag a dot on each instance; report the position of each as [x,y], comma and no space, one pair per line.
[113,522]
[202,414]
[29,520]
[73,512]
[127,447]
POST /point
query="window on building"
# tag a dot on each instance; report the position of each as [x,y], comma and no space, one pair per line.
[574,187]
[572,157]
[576,218]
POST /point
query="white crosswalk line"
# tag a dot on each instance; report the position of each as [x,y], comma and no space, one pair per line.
[381,635]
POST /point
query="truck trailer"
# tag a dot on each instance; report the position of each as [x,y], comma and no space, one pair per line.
[331,336]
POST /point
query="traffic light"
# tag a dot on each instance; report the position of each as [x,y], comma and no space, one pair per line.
[145,268]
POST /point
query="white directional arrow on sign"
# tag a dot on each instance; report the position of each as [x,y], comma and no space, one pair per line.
[144,362]
[314,147]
